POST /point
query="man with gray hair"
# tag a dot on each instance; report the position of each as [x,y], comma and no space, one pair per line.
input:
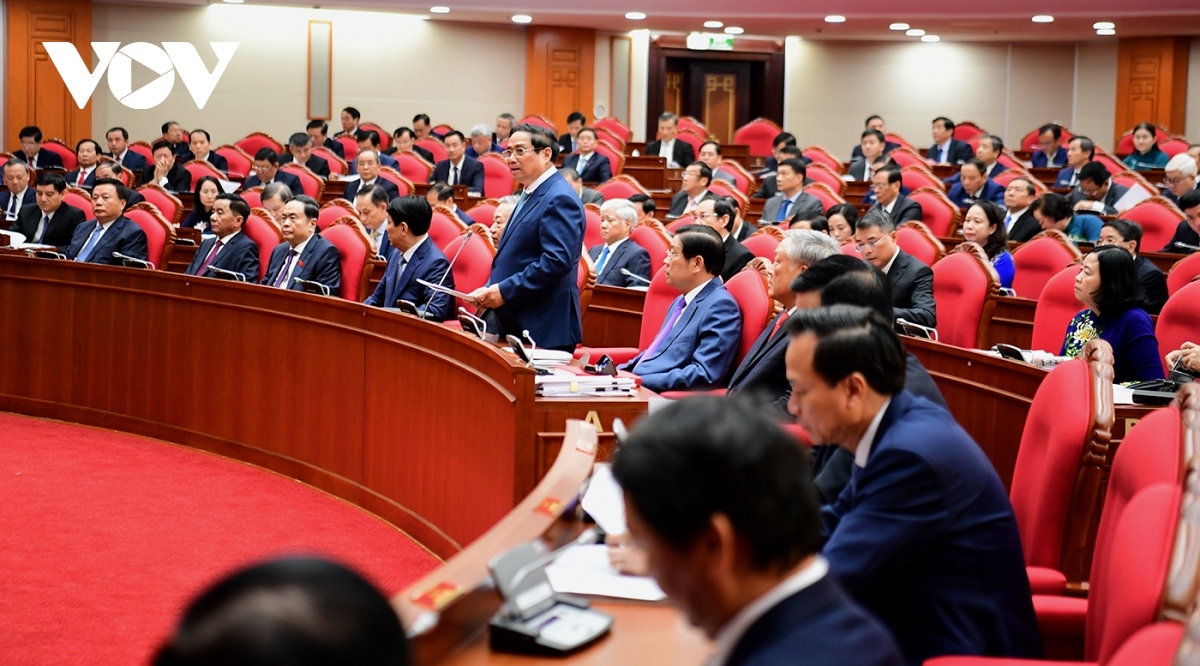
[678,154]
[300,151]
[619,253]
[763,373]
[481,142]
[504,210]
[273,198]
[1180,177]
[586,194]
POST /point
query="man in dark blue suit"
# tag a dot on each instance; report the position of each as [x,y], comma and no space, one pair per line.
[412,257]
[722,502]
[618,251]
[266,171]
[303,254]
[165,172]
[874,123]
[1080,151]
[596,167]
[16,178]
[1187,234]
[1180,177]
[87,153]
[441,194]
[369,140]
[300,151]
[318,131]
[974,185]
[200,148]
[51,221]
[533,285]
[946,149]
[367,167]
[372,206]
[32,153]
[118,149]
[694,346]
[96,240]
[458,169]
[1050,153]
[924,535]
[230,249]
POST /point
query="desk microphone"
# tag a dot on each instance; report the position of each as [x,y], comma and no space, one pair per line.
[312,287]
[222,274]
[433,294]
[626,273]
[1185,246]
[916,330]
[133,262]
[512,608]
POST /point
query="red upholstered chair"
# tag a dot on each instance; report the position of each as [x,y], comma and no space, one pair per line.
[168,204]
[1056,305]
[722,189]
[239,162]
[1134,180]
[907,157]
[483,212]
[1125,144]
[823,157]
[1030,141]
[265,234]
[591,233]
[693,124]
[536,119]
[758,135]
[850,249]
[762,245]
[160,234]
[798,433]
[616,159]
[1174,146]
[474,265]
[1041,259]
[659,297]
[142,148]
[1179,320]
[80,199]
[585,280]
[608,137]
[335,210]
[615,126]
[653,241]
[201,168]
[1113,165]
[59,148]
[352,243]
[1158,217]
[443,128]
[1155,645]
[899,140]
[692,139]
[741,177]
[312,184]
[1056,436]
[1007,176]
[967,130]
[621,187]
[253,196]
[403,186]
[673,227]
[445,227]
[823,175]
[497,178]
[918,177]
[256,141]
[414,167]
[349,147]
[965,287]
[435,147]
[385,139]
[337,165]
[1183,272]
[4,157]
[916,239]
[938,213]
[1009,161]
[828,197]
[749,289]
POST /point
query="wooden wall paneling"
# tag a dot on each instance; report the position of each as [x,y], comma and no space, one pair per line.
[1151,83]
[34,91]
[560,72]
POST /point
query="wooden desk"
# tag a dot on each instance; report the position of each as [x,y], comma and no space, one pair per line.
[614,317]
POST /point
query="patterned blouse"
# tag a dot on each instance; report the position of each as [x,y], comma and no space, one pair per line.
[1131,334]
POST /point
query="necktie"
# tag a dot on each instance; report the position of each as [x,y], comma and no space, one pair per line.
[13,205]
[209,259]
[400,266]
[37,236]
[778,324]
[582,165]
[941,155]
[602,260]
[287,264]
[1007,222]
[668,324]
[783,210]
[86,252]
[82,175]
[516,211]
[454,178]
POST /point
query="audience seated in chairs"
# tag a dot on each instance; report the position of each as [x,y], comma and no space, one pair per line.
[273,198]
[165,173]
[983,225]
[369,140]
[481,142]
[923,535]
[569,142]
[423,127]
[441,194]
[504,210]
[17,175]
[842,218]
[1080,152]
[618,253]
[32,152]
[300,148]
[107,169]
[591,166]
[1107,285]
[1180,177]
[889,200]
[412,256]
[678,153]
[741,228]
[911,280]
[874,123]
[318,133]
[770,184]
[367,166]
[349,118]
[704,479]
[403,142]
[458,169]
[109,231]
[991,147]
[203,198]
[694,189]
[692,349]
[1053,211]
[372,206]
[718,214]
[1187,235]
[288,611]
[1020,221]
[172,133]
[1050,153]
[1146,154]
[266,171]
[870,153]
[229,248]
[791,200]
[303,254]
[1097,192]
[87,154]
[781,141]
[586,194]
[504,126]
[50,221]
[710,154]
[974,185]
[200,148]
[118,149]
[946,149]
[1151,281]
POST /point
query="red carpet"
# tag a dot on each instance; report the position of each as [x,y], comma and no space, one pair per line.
[105,537]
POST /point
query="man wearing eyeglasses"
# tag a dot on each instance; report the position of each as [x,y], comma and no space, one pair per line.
[1097,192]
[1180,177]
[886,184]
[533,282]
[912,280]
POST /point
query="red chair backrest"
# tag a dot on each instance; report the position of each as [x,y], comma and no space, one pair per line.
[414,167]
[1030,141]
[166,203]
[693,125]
[749,289]
[336,164]
[158,232]
[443,128]
[615,160]
[474,265]
[68,156]
[681,222]
[333,212]
[967,130]
[1154,645]
[80,199]
[907,157]
[1056,306]
[355,249]
[659,297]
[256,141]
[239,162]
[620,187]
[1158,217]
[828,197]
[821,174]
[252,197]
[591,233]
[538,120]
[758,135]
[823,157]
[1173,146]
[349,147]
[483,213]
[403,186]
[917,177]
[435,147]
[615,126]
[142,148]
[1183,272]
[965,288]
[445,227]
[691,139]
[762,245]
[652,241]
[938,213]
[723,189]
[497,178]
[916,239]
[741,177]
[1008,175]
[312,184]
[200,169]
[850,249]
[1179,320]
[1038,260]
[1125,144]
[898,140]
[265,235]
[1114,167]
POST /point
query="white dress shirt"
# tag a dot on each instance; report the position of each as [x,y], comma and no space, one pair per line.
[945,150]
[887,269]
[287,280]
[868,439]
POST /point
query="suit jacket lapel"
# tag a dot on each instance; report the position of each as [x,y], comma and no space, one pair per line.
[530,202]
[762,345]
[689,311]
[109,238]
[409,271]
[612,259]
[302,260]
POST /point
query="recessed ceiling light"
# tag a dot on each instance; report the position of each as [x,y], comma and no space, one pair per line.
[733,30]
[1043,18]
[234,2]
[915,32]
[930,38]
[898,26]
[1104,25]
[634,16]
[1106,32]
[835,18]
[439,10]
[713,24]
[522,18]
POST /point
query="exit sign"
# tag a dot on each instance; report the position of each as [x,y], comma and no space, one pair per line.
[707,41]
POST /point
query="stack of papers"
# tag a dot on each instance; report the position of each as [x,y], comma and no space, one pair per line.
[561,382]
[585,570]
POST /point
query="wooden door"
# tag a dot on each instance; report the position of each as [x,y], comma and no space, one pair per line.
[34,91]
[560,70]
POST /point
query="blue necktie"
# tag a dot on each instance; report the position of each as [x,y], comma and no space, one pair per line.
[1007,222]
[941,155]
[783,210]
[86,252]
[601,260]
[581,165]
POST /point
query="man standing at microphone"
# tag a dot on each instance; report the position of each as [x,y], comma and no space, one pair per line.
[533,282]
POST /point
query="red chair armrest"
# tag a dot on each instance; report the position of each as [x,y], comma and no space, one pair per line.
[680,395]
[1047,581]
[619,355]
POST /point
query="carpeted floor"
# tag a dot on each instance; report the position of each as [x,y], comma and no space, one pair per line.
[105,537]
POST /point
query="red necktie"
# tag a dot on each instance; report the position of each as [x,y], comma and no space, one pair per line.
[81,176]
[778,324]
[209,259]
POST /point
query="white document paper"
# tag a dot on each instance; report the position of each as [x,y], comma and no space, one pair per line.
[1122,395]
[585,570]
[14,237]
[1133,197]
[444,290]
[604,501]
[228,186]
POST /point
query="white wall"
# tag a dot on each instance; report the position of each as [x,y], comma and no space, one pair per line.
[831,87]
[1193,93]
[389,66]
[638,81]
